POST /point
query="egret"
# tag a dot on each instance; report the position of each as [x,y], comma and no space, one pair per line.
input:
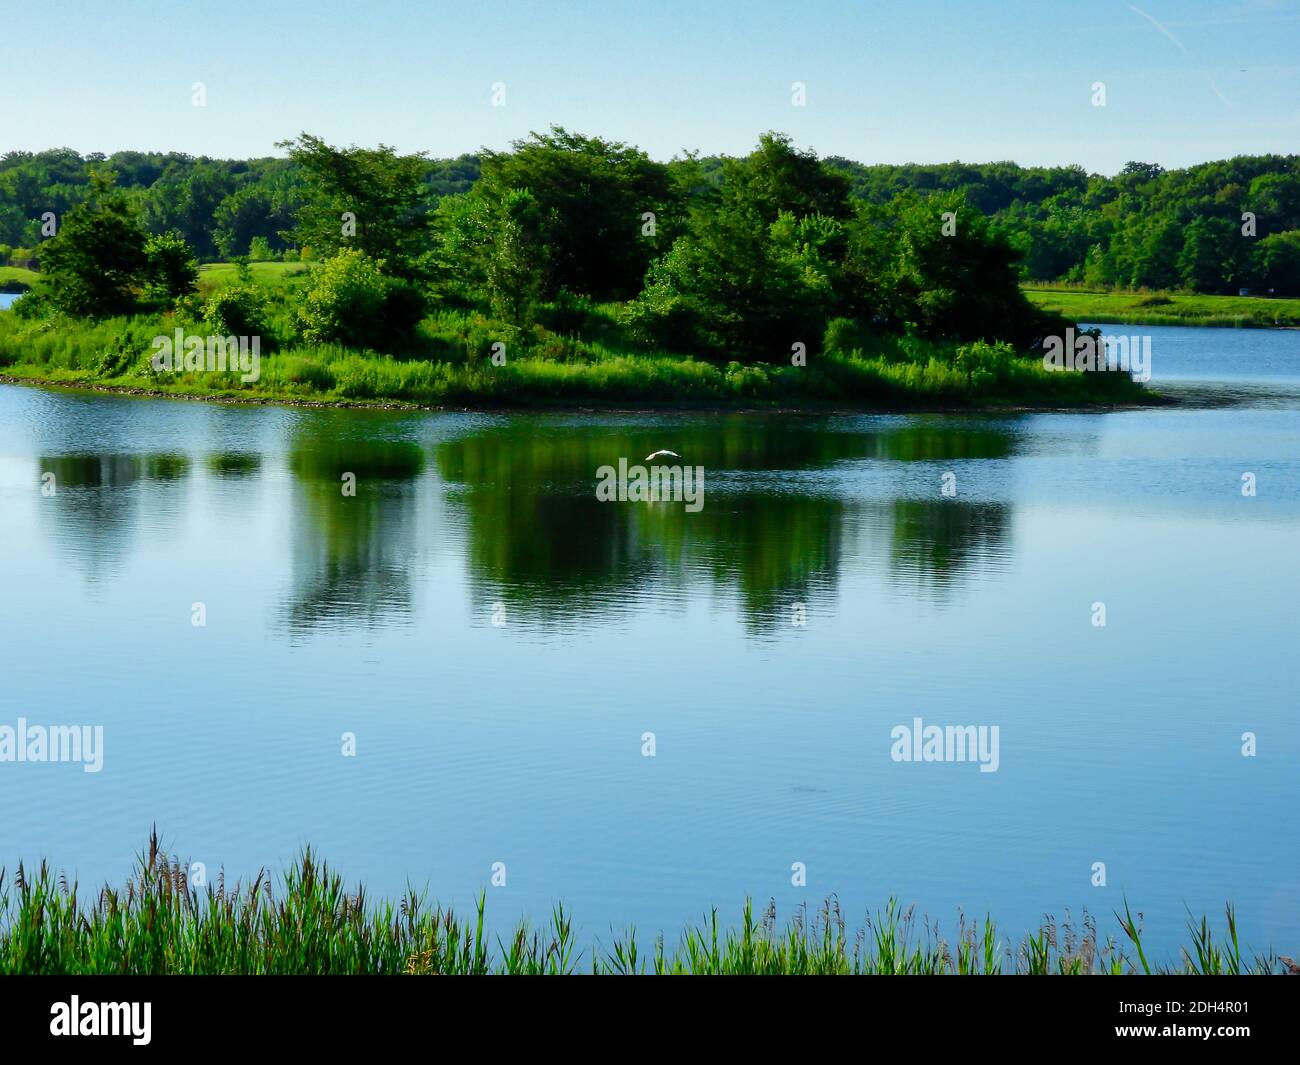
[661,453]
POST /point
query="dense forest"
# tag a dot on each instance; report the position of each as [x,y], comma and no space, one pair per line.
[1215,228]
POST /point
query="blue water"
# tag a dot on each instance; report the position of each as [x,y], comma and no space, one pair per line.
[520,741]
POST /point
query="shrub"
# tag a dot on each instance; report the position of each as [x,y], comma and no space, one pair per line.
[568,313]
[117,358]
[351,301]
[171,271]
[844,336]
[236,310]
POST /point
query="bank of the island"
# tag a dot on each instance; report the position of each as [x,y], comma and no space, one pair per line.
[575,271]
[575,353]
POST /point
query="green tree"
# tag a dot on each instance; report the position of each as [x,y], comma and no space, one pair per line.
[777,178]
[370,200]
[263,209]
[1156,260]
[738,290]
[171,271]
[95,262]
[592,197]
[949,274]
[1207,261]
[517,265]
[1277,260]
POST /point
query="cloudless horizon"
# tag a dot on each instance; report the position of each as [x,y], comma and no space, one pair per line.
[886,82]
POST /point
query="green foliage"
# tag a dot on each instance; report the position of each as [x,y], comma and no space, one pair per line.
[446,363]
[754,276]
[351,301]
[591,196]
[95,262]
[1278,259]
[517,264]
[1127,230]
[776,178]
[936,266]
[236,310]
[259,211]
[749,263]
[171,271]
[847,336]
[376,192]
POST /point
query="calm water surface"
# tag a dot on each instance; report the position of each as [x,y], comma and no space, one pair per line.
[498,641]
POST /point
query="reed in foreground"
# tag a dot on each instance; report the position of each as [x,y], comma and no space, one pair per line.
[161,924]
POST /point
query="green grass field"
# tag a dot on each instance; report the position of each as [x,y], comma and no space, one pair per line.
[16,278]
[215,275]
[1165,308]
[310,923]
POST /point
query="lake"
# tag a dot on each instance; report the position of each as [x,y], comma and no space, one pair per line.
[499,642]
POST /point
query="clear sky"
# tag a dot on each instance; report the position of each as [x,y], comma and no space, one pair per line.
[886,80]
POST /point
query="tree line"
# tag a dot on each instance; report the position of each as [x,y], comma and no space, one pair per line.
[753,259]
[1215,227]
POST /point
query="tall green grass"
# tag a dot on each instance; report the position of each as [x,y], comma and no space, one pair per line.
[160,923]
[576,352]
[449,365]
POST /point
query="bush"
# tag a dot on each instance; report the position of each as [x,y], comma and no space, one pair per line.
[171,271]
[236,310]
[117,358]
[844,336]
[568,313]
[351,301]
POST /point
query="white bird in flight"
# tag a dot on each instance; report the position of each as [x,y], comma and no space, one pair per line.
[661,453]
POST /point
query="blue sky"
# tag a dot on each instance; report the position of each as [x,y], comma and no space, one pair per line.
[887,80]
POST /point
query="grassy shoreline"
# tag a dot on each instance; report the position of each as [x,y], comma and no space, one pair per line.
[573,357]
[581,356]
[1166,308]
[36,377]
[161,923]
[583,359]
